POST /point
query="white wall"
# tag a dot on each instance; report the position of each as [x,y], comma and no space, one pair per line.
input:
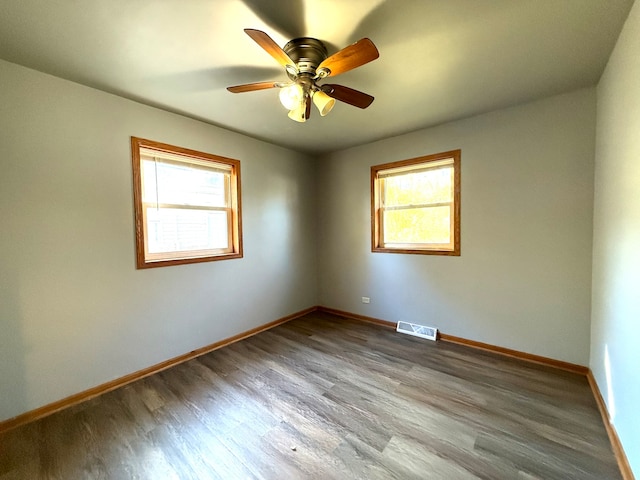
[615,329]
[74,311]
[523,280]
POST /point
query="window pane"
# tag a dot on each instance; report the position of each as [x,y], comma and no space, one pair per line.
[178,229]
[430,186]
[182,185]
[418,225]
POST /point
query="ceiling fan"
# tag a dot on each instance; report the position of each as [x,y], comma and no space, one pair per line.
[306,61]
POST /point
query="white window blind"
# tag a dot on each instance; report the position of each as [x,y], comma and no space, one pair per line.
[186,205]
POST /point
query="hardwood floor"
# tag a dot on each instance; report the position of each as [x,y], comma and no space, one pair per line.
[324,397]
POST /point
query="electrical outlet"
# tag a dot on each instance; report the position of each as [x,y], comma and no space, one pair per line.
[366,299]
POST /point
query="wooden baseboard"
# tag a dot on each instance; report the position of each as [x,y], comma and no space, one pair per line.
[571,367]
[529,357]
[621,457]
[355,316]
[77,398]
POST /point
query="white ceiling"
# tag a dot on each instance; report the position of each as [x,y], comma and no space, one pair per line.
[440,60]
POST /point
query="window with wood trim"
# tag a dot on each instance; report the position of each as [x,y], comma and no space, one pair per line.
[187,205]
[415,205]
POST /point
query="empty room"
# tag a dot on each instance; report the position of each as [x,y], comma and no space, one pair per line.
[379,239]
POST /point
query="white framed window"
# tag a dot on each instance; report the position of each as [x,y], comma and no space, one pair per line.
[187,205]
[415,205]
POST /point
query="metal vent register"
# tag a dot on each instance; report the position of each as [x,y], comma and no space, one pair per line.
[416,330]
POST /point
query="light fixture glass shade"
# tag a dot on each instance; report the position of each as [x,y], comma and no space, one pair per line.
[323,101]
[291,96]
[299,114]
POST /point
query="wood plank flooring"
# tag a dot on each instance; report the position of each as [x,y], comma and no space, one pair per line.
[323,397]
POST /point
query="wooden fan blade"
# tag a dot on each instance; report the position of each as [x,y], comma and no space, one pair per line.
[271,47]
[348,95]
[250,87]
[353,56]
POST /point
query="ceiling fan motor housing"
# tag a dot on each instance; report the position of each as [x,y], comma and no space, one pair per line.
[307,52]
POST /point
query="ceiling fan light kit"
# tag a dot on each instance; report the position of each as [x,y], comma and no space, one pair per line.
[291,96]
[324,102]
[298,114]
[306,61]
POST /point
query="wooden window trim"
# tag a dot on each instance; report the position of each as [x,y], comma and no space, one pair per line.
[377,219]
[234,219]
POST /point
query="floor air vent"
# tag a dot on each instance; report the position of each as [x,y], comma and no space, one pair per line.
[414,329]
